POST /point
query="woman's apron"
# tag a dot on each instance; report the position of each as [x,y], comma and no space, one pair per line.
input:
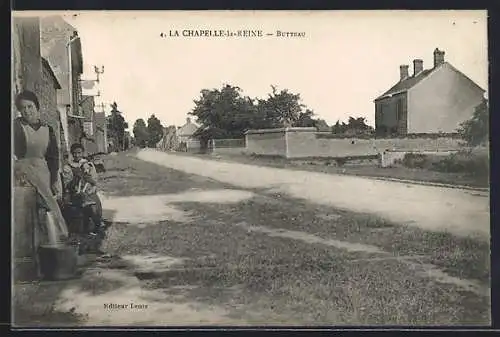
[35,170]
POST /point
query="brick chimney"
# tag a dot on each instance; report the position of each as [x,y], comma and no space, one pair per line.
[403,72]
[188,120]
[418,66]
[438,57]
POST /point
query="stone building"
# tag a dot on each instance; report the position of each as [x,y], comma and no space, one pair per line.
[26,61]
[61,46]
[101,132]
[48,105]
[430,101]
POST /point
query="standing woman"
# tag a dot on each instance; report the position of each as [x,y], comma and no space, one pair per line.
[36,156]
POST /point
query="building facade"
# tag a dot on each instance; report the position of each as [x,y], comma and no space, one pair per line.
[89,125]
[26,61]
[61,47]
[101,132]
[48,105]
[431,101]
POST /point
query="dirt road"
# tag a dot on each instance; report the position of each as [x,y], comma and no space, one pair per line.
[460,212]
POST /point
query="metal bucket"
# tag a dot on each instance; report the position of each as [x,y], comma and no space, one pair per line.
[58,262]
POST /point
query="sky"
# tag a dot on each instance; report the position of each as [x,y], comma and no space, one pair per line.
[344,61]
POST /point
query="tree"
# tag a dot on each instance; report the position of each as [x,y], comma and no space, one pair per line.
[476,130]
[155,131]
[281,109]
[358,125]
[116,126]
[305,119]
[337,128]
[141,134]
[224,113]
[354,126]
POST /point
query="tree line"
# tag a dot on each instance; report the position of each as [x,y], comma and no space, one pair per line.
[226,113]
[147,135]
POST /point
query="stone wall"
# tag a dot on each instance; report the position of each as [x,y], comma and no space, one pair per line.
[27,65]
[48,106]
[270,142]
[304,142]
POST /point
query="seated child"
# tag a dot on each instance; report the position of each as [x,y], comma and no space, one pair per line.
[80,179]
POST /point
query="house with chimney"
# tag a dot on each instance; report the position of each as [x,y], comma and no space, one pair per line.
[430,101]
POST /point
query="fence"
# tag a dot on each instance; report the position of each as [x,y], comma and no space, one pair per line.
[229,146]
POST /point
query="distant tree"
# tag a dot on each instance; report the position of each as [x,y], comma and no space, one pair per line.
[322,125]
[141,134]
[155,130]
[337,128]
[116,126]
[224,113]
[354,126]
[282,109]
[476,130]
[358,125]
[305,119]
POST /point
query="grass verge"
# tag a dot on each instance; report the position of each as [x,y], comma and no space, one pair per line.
[323,166]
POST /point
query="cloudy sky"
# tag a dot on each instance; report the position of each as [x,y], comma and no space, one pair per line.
[345,60]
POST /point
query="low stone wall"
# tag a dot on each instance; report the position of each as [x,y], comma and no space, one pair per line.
[304,142]
[268,142]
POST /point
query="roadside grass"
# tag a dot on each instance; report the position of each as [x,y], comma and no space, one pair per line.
[289,281]
[371,170]
[33,306]
[278,280]
[459,256]
[126,176]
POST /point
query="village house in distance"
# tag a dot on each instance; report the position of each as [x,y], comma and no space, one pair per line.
[430,101]
[185,133]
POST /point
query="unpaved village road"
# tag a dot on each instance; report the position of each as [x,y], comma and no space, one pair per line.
[271,248]
[458,211]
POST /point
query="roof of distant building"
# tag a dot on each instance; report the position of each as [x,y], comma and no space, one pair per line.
[410,82]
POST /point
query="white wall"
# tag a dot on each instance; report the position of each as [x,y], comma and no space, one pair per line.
[266,142]
[302,143]
[441,102]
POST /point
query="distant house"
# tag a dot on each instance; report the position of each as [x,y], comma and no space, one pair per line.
[432,100]
[89,124]
[185,134]
[101,132]
[186,131]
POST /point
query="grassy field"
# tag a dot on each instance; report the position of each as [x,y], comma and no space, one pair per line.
[368,170]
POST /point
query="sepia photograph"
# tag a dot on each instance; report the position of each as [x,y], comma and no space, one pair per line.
[250,169]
